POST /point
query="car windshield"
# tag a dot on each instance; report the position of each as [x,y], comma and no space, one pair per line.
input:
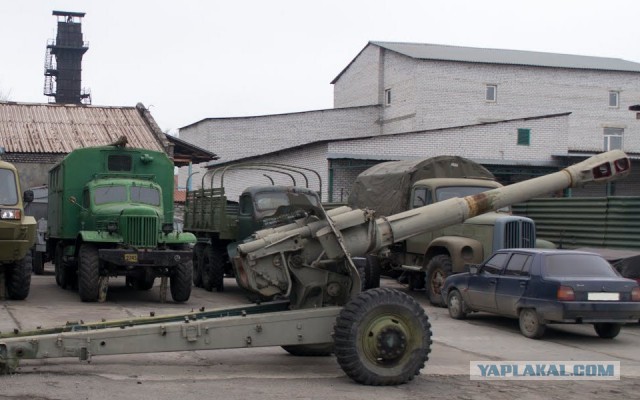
[577,266]
[272,200]
[145,195]
[110,194]
[8,189]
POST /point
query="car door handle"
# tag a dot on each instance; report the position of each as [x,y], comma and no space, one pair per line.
[492,282]
[523,283]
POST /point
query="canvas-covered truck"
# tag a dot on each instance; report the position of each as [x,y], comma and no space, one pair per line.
[17,235]
[221,223]
[110,213]
[428,258]
[312,303]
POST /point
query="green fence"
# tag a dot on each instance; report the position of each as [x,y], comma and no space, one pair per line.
[611,222]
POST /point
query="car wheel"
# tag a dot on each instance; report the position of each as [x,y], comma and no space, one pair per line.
[607,330]
[530,324]
[456,305]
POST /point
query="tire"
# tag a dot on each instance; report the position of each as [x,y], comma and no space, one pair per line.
[415,280]
[180,281]
[18,280]
[198,249]
[212,268]
[530,324]
[310,350]
[146,280]
[66,277]
[456,305]
[359,263]
[382,337]
[372,272]
[38,263]
[438,269]
[607,330]
[88,273]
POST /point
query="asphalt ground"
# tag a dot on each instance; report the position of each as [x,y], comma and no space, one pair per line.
[272,373]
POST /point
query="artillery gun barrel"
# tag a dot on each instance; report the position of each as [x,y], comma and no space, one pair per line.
[360,239]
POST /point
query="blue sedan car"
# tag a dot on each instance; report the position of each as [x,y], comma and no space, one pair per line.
[542,286]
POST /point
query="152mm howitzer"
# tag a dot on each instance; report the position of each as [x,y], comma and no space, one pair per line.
[380,336]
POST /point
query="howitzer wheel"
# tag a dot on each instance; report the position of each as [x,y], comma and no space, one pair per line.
[382,337]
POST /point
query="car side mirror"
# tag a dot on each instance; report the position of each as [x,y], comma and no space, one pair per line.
[27,196]
[473,269]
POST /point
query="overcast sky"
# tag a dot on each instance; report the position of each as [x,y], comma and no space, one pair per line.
[193,59]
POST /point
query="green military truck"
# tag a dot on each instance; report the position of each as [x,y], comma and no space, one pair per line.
[17,235]
[428,258]
[220,223]
[110,213]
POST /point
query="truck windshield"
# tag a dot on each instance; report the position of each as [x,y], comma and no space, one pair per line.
[272,200]
[8,189]
[110,194]
[145,195]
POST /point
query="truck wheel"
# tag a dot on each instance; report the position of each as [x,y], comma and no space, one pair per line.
[607,330]
[530,324]
[197,265]
[38,263]
[65,277]
[88,273]
[382,337]
[180,281]
[146,280]
[310,350]
[212,269]
[18,280]
[438,269]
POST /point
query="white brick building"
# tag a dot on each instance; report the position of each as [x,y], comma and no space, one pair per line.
[519,113]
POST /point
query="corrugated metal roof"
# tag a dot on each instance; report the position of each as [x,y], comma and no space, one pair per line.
[425,51]
[61,128]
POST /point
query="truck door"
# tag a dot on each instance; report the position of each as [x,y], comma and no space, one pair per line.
[246,214]
[482,286]
[512,283]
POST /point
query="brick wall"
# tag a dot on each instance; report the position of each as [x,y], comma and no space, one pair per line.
[437,94]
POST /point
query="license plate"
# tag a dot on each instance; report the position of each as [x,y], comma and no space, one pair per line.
[603,296]
[133,258]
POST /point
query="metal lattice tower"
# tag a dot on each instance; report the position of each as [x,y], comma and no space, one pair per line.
[63,61]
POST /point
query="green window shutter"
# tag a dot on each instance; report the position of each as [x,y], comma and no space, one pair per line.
[524,136]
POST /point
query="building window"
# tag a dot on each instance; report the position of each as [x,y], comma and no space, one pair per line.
[387,97]
[614,98]
[492,93]
[524,137]
[613,138]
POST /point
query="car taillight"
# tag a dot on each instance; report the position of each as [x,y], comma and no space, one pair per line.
[635,294]
[565,293]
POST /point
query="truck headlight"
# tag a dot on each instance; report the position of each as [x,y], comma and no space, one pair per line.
[112,226]
[10,213]
[167,228]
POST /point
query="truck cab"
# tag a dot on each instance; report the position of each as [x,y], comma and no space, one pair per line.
[17,235]
[430,257]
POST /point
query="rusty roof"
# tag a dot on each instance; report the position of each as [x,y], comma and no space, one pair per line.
[61,128]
